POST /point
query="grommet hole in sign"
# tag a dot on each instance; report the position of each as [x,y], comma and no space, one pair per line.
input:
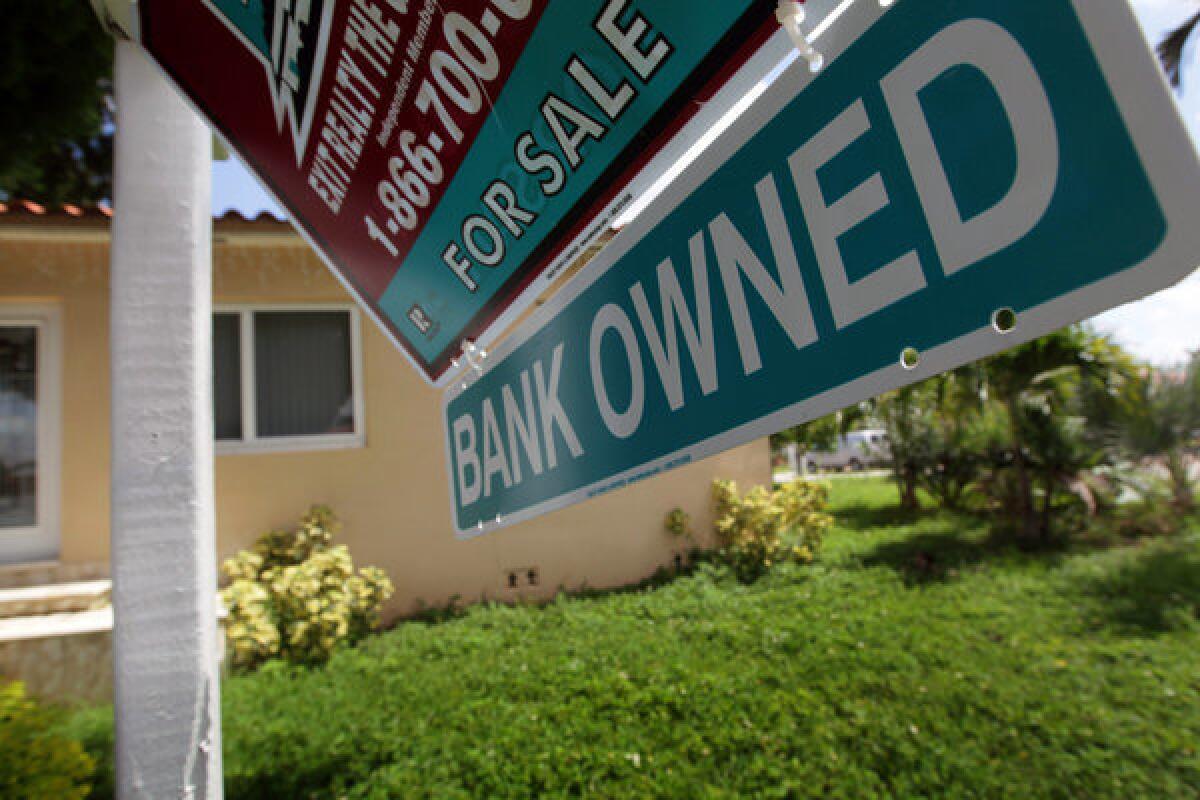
[1004,320]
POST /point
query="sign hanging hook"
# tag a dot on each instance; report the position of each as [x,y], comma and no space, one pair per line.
[474,355]
[791,15]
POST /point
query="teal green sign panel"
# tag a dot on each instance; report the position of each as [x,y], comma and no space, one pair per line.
[464,293]
[954,159]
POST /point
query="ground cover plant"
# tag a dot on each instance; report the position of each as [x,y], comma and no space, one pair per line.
[919,657]
[36,761]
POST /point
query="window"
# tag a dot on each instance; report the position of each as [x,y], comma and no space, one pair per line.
[286,378]
[30,430]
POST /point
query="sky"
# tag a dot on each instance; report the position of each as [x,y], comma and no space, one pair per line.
[1163,328]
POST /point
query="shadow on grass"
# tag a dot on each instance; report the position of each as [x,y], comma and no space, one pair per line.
[957,545]
[864,517]
[1158,591]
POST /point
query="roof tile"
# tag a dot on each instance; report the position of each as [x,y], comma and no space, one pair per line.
[25,208]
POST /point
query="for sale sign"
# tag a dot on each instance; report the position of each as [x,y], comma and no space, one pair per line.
[958,165]
[437,152]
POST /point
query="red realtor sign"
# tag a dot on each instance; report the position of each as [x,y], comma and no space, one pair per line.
[439,154]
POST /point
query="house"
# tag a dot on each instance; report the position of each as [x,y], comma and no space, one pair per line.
[312,404]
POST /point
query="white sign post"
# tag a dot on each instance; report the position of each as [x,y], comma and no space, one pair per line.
[168,742]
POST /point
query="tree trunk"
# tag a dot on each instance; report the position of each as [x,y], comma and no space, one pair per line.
[909,499]
[1025,510]
[1044,526]
[1181,484]
[906,483]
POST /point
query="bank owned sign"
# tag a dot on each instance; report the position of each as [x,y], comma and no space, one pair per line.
[440,154]
[955,158]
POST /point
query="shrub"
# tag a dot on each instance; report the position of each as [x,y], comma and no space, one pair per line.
[1140,520]
[296,596]
[679,524]
[93,729]
[35,762]
[767,527]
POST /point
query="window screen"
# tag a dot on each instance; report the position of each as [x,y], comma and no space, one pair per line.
[18,427]
[227,376]
[303,375]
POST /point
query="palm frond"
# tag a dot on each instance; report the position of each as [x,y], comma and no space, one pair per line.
[1170,50]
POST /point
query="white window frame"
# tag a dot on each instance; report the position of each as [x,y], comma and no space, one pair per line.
[250,441]
[42,541]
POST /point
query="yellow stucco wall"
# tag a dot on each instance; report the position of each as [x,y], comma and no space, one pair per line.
[392,494]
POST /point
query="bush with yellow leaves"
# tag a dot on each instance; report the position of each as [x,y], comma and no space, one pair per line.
[766,527]
[296,596]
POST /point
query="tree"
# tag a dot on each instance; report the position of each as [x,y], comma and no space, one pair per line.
[56,89]
[1160,421]
[1016,377]
[822,433]
[941,433]
[963,435]
[908,415]
[1051,390]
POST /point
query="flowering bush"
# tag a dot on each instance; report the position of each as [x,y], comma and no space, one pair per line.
[296,596]
[766,527]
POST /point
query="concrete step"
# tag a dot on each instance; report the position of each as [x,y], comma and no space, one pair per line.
[42,573]
[57,598]
[63,657]
[60,657]
[49,626]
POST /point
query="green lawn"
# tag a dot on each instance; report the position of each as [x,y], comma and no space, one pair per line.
[916,660]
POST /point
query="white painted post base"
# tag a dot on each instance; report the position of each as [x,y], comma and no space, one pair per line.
[167,695]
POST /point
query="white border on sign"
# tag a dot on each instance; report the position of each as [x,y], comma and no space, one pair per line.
[1168,156]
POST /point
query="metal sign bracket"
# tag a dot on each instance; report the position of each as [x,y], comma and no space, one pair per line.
[791,16]
[474,357]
